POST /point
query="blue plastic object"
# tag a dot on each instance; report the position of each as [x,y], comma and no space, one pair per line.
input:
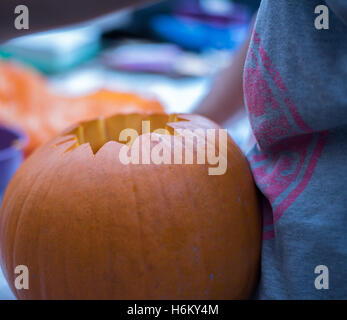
[195,34]
[12,142]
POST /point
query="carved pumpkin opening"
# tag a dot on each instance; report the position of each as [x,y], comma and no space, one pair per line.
[100,131]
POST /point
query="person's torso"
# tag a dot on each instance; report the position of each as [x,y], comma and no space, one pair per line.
[295,84]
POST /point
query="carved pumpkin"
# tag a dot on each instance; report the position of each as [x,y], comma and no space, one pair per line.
[88,226]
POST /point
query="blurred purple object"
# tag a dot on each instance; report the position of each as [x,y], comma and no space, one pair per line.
[12,142]
[144,57]
[231,13]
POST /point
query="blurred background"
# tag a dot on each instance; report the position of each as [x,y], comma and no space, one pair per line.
[162,57]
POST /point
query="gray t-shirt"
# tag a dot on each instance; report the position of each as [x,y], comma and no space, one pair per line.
[295,84]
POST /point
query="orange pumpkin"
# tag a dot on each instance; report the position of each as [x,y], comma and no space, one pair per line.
[88,226]
[26,101]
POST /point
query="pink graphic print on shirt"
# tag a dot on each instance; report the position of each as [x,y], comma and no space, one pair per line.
[288,148]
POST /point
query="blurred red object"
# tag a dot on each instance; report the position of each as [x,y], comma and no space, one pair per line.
[26,102]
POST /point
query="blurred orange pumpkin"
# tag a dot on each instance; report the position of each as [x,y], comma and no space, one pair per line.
[27,102]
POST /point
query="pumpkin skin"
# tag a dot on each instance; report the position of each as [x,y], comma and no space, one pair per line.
[89,227]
